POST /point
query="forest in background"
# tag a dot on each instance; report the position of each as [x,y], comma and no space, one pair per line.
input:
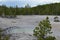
[47,9]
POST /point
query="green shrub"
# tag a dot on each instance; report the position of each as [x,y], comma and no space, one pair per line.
[3,36]
[56,19]
[40,38]
[50,38]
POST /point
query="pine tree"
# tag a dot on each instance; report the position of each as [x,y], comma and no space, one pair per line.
[43,29]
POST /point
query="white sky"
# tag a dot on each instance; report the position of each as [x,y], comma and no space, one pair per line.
[31,2]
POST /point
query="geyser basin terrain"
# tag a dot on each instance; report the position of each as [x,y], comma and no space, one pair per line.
[28,23]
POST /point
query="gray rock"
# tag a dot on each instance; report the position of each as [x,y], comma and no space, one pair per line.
[22,36]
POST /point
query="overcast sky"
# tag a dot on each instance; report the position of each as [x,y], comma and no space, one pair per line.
[22,3]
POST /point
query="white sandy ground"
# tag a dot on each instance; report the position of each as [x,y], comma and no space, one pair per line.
[56,30]
[28,23]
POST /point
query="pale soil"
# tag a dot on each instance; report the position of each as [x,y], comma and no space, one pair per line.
[56,30]
[28,23]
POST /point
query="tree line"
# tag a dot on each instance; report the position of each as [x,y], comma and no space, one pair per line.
[47,9]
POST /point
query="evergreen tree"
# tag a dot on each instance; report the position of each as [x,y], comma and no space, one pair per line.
[43,29]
